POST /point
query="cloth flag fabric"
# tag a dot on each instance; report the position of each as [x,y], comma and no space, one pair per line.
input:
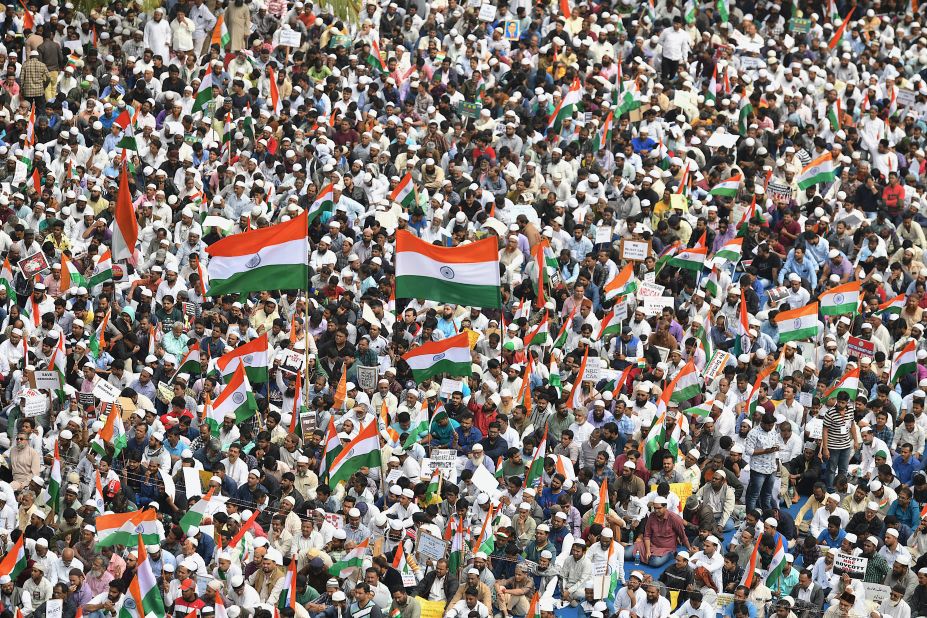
[838,35]
[576,394]
[275,256]
[195,515]
[727,188]
[236,398]
[451,356]
[905,362]
[686,384]
[622,284]
[540,335]
[203,94]
[127,529]
[404,193]
[143,598]
[818,171]
[125,225]
[692,258]
[798,323]
[361,452]
[567,105]
[609,326]
[103,271]
[253,355]
[6,280]
[220,33]
[353,560]
[324,202]
[848,383]
[536,468]
[70,276]
[15,561]
[731,251]
[894,305]
[113,432]
[841,299]
[467,274]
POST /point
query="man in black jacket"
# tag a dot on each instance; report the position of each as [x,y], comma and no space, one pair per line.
[437,585]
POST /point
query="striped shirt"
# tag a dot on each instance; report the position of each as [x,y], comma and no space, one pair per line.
[838,428]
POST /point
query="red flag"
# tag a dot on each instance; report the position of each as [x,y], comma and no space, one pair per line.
[123,119]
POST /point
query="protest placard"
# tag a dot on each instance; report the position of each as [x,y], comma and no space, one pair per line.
[431,547]
[854,566]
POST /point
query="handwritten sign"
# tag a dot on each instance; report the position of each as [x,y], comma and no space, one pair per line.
[431,547]
[104,391]
[860,347]
[487,12]
[335,519]
[650,290]
[876,592]
[292,38]
[905,97]
[46,380]
[854,566]
[593,371]
[635,250]
[448,387]
[35,404]
[603,235]
[366,378]
[653,306]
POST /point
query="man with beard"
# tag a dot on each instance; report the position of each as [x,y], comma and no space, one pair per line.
[653,606]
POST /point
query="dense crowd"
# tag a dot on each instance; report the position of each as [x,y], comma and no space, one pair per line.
[693,380]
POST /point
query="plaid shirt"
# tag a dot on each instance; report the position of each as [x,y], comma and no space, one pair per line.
[33,76]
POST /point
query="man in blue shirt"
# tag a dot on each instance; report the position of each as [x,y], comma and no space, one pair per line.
[905,509]
[833,535]
[906,464]
[466,435]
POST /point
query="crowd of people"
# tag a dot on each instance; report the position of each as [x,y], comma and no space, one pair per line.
[699,390]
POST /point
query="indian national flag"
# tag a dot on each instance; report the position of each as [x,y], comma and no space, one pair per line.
[332,446]
[712,94]
[776,565]
[15,561]
[361,452]
[485,541]
[576,394]
[191,363]
[686,384]
[203,94]
[692,258]
[454,533]
[601,509]
[905,362]
[53,491]
[450,356]
[609,326]
[128,529]
[702,409]
[103,271]
[466,274]
[270,258]
[433,491]
[195,515]
[848,383]
[220,34]
[418,425]
[656,438]
[603,135]
[729,187]
[838,35]
[567,105]
[6,279]
[113,432]
[70,276]
[125,225]
[237,397]
[253,355]
[841,299]
[798,323]
[352,560]
[536,468]
[288,595]
[540,334]
[833,115]
[628,100]
[820,170]
[895,305]
[98,503]
[375,59]
[731,250]
[275,102]
[404,193]
[324,202]
[622,284]
[144,593]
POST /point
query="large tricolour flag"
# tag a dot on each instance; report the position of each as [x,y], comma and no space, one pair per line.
[686,384]
[905,362]
[15,561]
[798,323]
[727,188]
[143,592]
[125,226]
[848,383]
[820,170]
[692,258]
[623,283]
[450,356]
[270,258]
[195,515]
[841,299]
[361,452]
[404,193]
[127,528]
[323,202]
[567,105]
[731,251]
[237,397]
[466,274]
[253,355]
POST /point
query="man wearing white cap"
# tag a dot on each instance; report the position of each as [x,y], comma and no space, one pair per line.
[707,565]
